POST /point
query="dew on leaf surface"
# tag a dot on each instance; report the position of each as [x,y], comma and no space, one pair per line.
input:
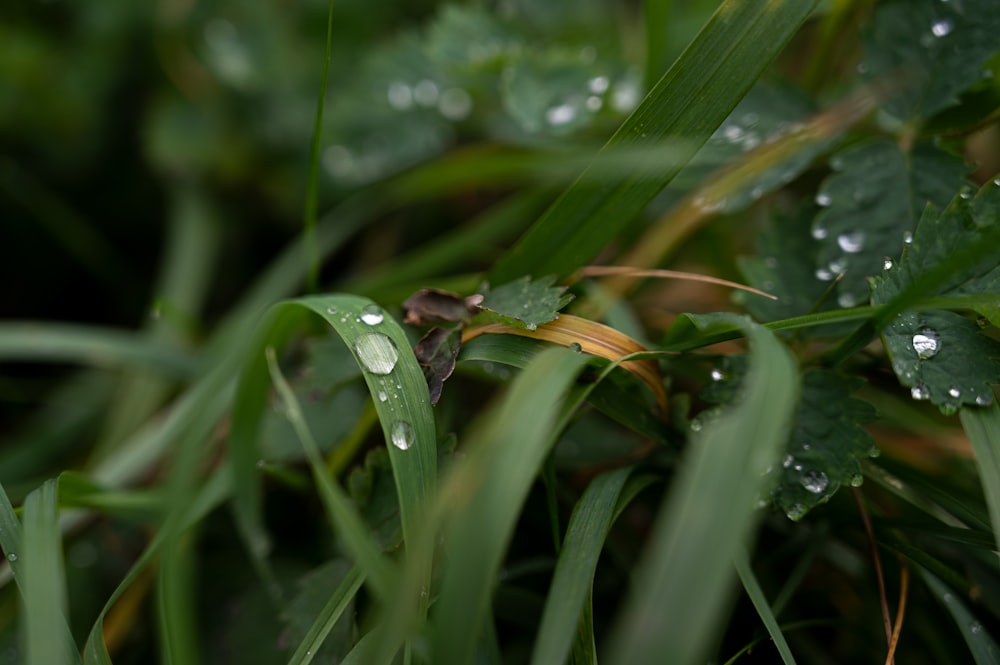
[377,353]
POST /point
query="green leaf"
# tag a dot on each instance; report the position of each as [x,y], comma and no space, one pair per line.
[685,107]
[984,650]
[982,426]
[826,443]
[942,356]
[870,203]
[681,587]
[524,303]
[759,600]
[935,50]
[315,611]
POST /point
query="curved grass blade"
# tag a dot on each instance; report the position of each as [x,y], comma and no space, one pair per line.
[984,649]
[759,600]
[982,426]
[485,495]
[42,582]
[690,102]
[684,579]
[327,617]
[574,575]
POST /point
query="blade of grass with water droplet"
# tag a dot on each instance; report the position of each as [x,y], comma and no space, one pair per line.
[327,617]
[47,638]
[485,493]
[689,103]
[984,649]
[759,600]
[982,426]
[684,578]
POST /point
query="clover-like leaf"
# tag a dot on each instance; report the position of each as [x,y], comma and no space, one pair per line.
[870,202]
[942,356]
[526,304]
[934,49]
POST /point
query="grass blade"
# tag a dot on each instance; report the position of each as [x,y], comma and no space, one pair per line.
[43,583]
[487,490]
[690,101]
[982,426]
[574,575]
[759,600]
[681,586]
[984,650]
[328,616]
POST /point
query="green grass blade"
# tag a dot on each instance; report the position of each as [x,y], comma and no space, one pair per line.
[683,581]
[984,649]
[327,617]
[343,517]
[759,600]
[982,426]
[43,583]
[688,104]
[574,575]
[487,490]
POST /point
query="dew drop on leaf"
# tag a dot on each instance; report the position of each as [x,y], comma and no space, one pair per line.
[822,200]
[887,263]
[857,479]
[819,232]
[852,243]
[796,512]
[12,557]
[984,400]
[382,396]
[907,237]
[402,435]
[954,392]
[815,481]
[920,391]
[927,343]
[942,28]
[377,353]
[975,627]
[372,315]
[718,375]
[788,461]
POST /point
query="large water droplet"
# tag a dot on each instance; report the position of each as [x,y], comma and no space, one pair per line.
[942,28]
[402,435]
[927,343]
[12,557]
[815,481]
[920,391]
[852,242]
[984,400]
[377,353]
[372,315]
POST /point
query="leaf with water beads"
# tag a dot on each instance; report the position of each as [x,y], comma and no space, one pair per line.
[524,303]
[943,356]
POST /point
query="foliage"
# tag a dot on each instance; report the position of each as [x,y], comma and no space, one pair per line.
[428,429]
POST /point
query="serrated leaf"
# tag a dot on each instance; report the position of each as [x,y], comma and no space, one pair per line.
[942,356]
[826,443]
[934,49]
[873,198]
[526,304]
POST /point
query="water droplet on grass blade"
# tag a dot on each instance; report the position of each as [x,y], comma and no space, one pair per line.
[382,396]
[815,481]
[927,343]
[372,315]
[402,435]
[12,557]
[377,353]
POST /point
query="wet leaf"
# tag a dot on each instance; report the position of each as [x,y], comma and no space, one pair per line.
[526,304]
[942,356]
[436,352]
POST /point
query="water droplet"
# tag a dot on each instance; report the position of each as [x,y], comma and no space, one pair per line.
[560,115]
[718,375]
[425,93]
[996,181]
[847,299]
[857,479]
[625,96]
[599,85]
[823,275]
[984,400]
[382,396]
[696,425]
[377,353]
[12,557]
[975,627]
[823,200]
[796,512]
[815,481]
[887,263]
[788,461]
[576,347]
[942,28]
[455,104]
[733,133]
[400,96]
[594,103]
[331,310]
[954,392]
[920,391]
[838,266]
[402,435]
[907,237]
[852,242]
[372,315]
[926,343]
[819,232]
